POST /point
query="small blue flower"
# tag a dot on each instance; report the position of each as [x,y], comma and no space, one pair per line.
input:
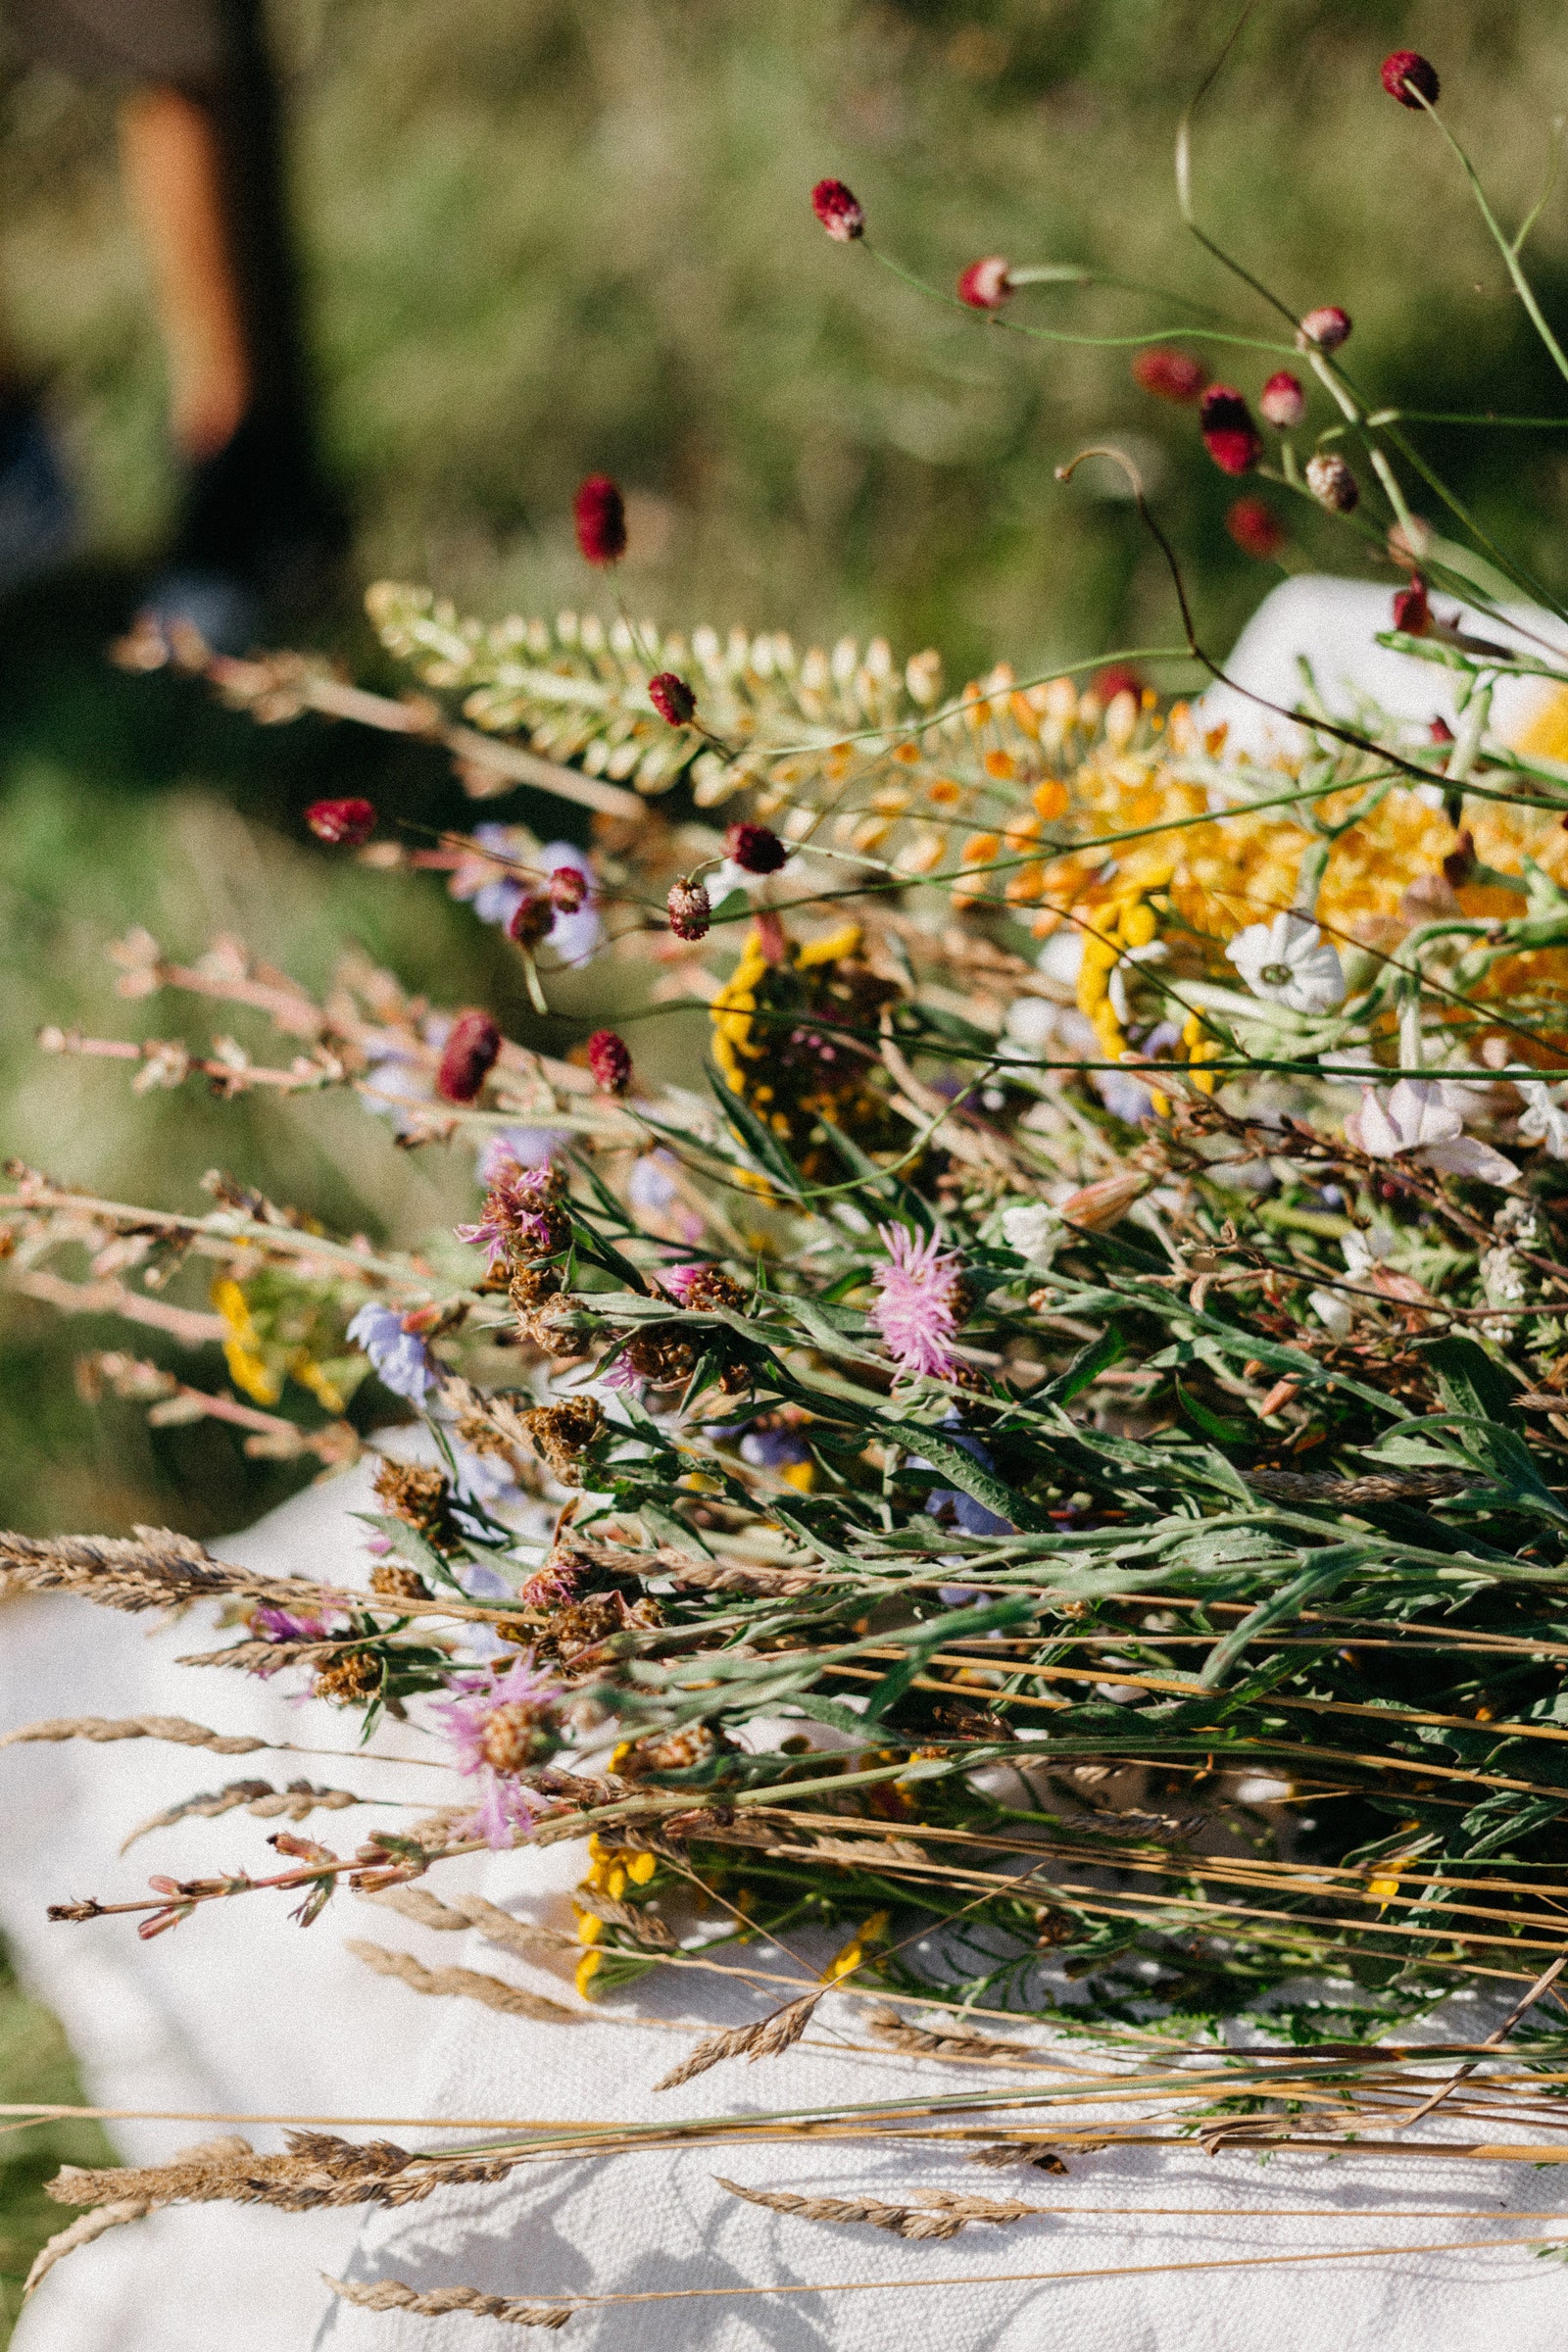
[400,1360]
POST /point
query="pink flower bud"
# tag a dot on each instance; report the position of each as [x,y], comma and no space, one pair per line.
[984,284]
[1229,436]
[1324,329]
[673,698]
[1410,77]
[1411,612]
[838,210]
[1255,528]
[569,888]
[1440,732]
[468,1058]
[600,513]
[691,909]
[609,1060]
[532,919]
[755,849]
[350,821]
[1332,484]
[1169,373]
[1281,401]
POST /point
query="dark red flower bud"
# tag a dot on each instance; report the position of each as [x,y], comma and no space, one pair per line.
[1332,484]
[1117,678]
[600,513]
[1324,329]
[350,821]
[609,1060]
[691,909]
[984,285]
[468,1058]
[1169,373]
[1255,528]
[838,210]
[1411,612]
[532,919]
[1281,401]
[1229,436]
[755,849]
[1440,732]
[673,698]
[1460,862]
[568,889]
[1410,76]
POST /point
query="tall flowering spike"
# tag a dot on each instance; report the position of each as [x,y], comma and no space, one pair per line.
[691,909]
[1229,436]
[1169,373]
[673,698]
[985,285]
[468,1058]
[350,821]
[755,849]
[1324,329]
[1412,612]
[1332,484]
[610,1060]
[600,513]
[839,210]
[1281,401]
[1255,528]
[1410,77]
[921,1301]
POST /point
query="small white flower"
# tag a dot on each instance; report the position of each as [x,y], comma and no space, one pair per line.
[1546,1119]
[1031,1023]
[1417,1117]
[1364,1251]
[1332,1311]
[1289,962]
[1033,1228]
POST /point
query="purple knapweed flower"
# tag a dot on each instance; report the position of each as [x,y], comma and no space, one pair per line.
[399,1357]
[513,1217]
[498,1724]
[919,1309]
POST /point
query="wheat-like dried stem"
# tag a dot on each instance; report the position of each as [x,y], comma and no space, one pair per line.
[176,1727]
[766,2038]
[88,2226]
[259,1798]
[466,1983]
[390,2294]
[936,2214]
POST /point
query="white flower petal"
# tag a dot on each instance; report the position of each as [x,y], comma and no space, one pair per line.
[1467,1155]
[1417,1107]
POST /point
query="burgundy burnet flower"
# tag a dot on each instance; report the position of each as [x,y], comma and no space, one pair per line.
[468,1058]
[1229,436]
[1403,66]
[1255,528]
[839,209]
[600,513]
[610,1060]
[1332,484]
[673,698]
[352,821]
[568,889]
[755,849]
[530,920]
[1412,612]
[691,909]
[1324,329]
[1281,401]
[1169,373]
[985,284]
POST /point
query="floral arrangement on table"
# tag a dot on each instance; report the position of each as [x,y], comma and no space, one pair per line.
[1046,1460]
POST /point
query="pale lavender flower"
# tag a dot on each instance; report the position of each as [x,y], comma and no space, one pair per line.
[401,1358]
[514,1147]
[1417,1117]
[917,1311]
[498,1724]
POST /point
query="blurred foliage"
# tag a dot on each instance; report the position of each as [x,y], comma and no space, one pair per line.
[35,2064]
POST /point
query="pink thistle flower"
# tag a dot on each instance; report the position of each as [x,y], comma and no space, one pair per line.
[921,1303]
[516,1217]
[1281,401]
[599,513]
[839,210]
[550,1584]
[681,1281]
[985,285]
[497,1725]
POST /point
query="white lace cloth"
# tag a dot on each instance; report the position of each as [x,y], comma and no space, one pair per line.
[237,2011]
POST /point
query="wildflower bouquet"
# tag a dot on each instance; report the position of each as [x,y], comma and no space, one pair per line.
[1040,1465]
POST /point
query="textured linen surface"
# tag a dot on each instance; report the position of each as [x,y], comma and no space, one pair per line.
[237,2010]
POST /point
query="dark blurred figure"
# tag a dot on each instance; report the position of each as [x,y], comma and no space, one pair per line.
[202,162]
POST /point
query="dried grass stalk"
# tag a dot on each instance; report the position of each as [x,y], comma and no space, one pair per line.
[1393,1485]
[1037,2152]
[390,2294]
[466,1983]
[961,2040]
[318,2170]
[258,1798]
[935,2214]
[764,2040]
[463,1911]
[176,1727]
[88,2226]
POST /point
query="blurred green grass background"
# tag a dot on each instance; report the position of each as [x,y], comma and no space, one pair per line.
[544,237]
